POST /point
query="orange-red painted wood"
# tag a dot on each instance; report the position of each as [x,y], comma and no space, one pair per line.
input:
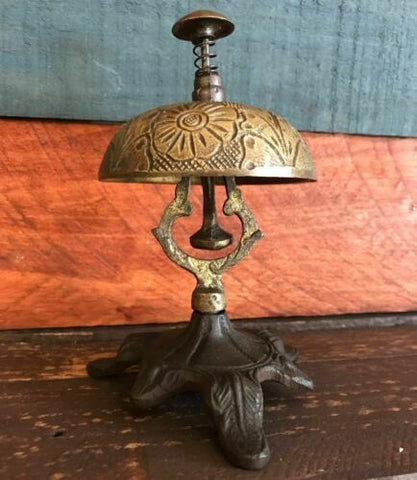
[74,251]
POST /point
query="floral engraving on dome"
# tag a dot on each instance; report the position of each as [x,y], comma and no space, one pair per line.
[192,121]
[198,137]
[183,134]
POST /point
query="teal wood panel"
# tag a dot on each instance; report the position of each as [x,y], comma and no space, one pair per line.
[326,65]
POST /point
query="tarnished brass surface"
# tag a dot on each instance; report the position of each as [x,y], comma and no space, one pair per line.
[208,88]
[208,297]
[207,139]
[202,23]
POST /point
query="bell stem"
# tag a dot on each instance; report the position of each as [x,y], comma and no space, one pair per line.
[210,236]
[209,203]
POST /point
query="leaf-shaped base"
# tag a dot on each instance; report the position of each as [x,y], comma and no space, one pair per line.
[225,365]
[236,405]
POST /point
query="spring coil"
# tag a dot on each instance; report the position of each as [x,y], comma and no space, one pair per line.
[202,62]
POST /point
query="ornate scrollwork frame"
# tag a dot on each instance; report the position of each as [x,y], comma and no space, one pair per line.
[208,297]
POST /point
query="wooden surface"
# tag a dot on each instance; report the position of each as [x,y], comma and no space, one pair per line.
[345,66]
[75,251]
[359,423]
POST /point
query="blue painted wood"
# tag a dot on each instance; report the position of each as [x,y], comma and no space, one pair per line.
[326,65]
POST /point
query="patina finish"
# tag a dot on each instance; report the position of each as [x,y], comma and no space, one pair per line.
[209,141]
[208,297]
[215,139]
[225,365]
[202,24]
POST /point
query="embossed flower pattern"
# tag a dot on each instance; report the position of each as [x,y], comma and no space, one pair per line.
[194,132]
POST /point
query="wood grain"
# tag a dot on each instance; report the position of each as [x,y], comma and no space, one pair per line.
[345,66]
[358,423]
[74,251]
[63,354]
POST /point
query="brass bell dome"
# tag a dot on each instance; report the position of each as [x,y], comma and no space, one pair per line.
[207,139]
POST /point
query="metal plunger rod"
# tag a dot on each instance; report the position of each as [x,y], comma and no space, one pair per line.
[207,82]
[209,205]
[202,29]
[205,55]
[208,87]
[210,236]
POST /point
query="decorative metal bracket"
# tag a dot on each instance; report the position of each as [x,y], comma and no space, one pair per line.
[209,296]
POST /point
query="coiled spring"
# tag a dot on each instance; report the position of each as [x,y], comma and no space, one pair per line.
[204,56]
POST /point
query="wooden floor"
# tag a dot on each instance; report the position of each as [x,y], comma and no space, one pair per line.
[359,423]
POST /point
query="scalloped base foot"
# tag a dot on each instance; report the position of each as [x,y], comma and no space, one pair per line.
[225,365]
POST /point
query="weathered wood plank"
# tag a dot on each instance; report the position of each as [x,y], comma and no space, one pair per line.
[346,66]
[359,423]
[55,357]
[78,252]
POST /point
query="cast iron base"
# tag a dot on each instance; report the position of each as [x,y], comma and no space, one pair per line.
[225,365]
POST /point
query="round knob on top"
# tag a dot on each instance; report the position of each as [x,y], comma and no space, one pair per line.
[202,24]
